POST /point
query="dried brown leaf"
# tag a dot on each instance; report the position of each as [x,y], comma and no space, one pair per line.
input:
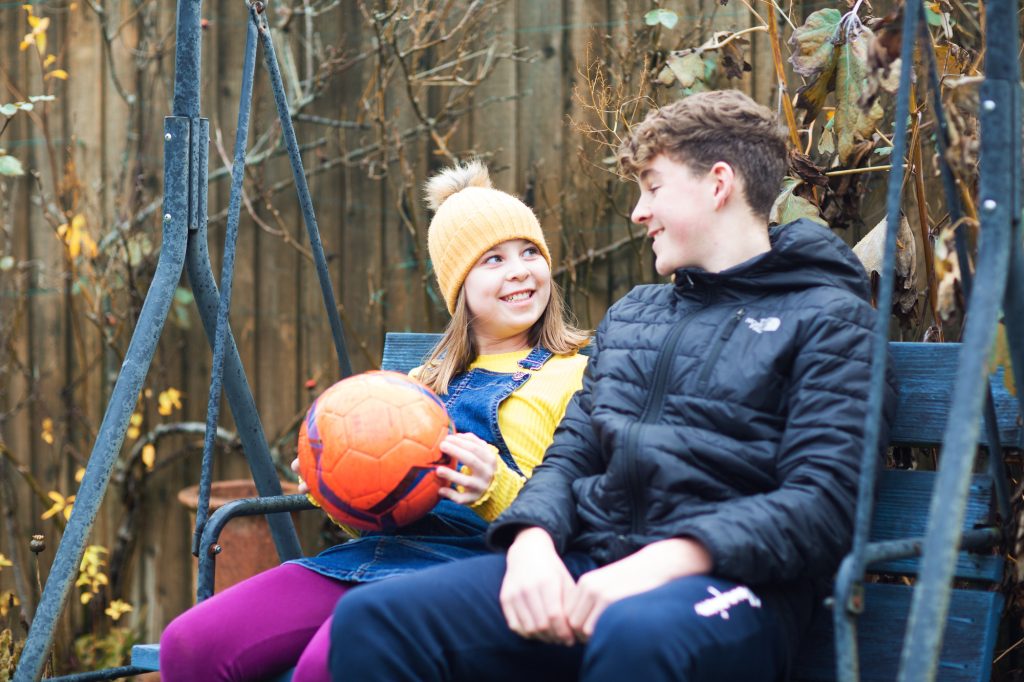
[854,124]
[814,57]
[871,251]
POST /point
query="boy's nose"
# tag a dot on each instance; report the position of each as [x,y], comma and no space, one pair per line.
[641,214]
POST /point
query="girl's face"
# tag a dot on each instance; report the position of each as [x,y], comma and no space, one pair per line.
[506,292]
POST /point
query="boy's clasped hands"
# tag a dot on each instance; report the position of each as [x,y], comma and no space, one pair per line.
[541,600]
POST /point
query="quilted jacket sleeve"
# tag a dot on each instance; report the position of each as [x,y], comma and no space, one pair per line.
[546,500]
[804,527]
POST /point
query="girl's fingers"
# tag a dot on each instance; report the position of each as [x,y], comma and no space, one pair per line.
[458,497]
[460,479]
[470,453]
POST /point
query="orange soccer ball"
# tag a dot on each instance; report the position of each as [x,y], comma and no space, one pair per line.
[369,447]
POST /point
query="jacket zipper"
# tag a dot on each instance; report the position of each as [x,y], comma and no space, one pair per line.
[720,342]
[652,409]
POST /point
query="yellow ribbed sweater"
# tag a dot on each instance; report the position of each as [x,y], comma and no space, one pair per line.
[527,420]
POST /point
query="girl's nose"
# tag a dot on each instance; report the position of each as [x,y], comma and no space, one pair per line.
[517,269]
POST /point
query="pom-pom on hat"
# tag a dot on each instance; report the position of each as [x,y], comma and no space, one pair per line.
[470,217]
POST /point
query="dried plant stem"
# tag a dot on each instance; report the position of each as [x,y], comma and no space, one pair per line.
[856,171]
[922,215]
[780,74]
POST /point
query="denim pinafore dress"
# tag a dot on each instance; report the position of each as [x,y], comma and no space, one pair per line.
[450,531]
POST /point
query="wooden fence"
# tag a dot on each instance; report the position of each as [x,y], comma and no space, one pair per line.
[97,153]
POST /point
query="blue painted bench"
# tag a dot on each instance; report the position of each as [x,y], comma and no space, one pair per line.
[925,376]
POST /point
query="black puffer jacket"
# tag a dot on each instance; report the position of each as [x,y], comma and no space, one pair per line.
[728,408]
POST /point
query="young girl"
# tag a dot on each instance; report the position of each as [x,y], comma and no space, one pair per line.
[506,367]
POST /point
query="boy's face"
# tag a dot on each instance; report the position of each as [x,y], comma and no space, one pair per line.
[678,209]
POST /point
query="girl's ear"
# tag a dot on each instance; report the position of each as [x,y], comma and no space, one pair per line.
[724,179]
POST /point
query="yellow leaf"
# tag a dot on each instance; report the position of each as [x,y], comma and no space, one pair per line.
[58,73]
[149,455]
[75,235]
[169,400]
[7,600]
[33,20]
[28,40]
[50,59]
[117,609]
[60,504]
[86,597]
[47,434]
[134,422]
[79,474]
[4,561]
[1001,358]
[27,8]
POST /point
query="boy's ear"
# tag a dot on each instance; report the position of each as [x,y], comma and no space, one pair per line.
[724,179]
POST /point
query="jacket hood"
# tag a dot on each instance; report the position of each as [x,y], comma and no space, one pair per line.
[804,255]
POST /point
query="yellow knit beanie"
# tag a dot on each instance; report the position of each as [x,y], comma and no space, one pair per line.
[470,217]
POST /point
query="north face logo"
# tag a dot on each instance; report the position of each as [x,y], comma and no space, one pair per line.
[766,324]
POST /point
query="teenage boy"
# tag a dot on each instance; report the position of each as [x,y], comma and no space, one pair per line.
[702,484]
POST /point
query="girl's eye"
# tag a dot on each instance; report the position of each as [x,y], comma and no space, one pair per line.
[531,251]
[493,258]
[653,188]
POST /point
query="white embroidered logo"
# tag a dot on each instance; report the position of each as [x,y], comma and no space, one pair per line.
[720,602]
[767,324]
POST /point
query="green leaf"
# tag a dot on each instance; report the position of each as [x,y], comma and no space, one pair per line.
[932,17]
[10,165]
[6,263]
[814,57]
[665,17]
[183,296]
[8,110]
[883,151]
[789,207]
[26,106]
[853,123]
[688,68]
[41,98]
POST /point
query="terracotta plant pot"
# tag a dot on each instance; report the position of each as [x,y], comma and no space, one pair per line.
[246,545]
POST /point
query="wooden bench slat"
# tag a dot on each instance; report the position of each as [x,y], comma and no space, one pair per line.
[901,511]
[926,372]
[971,631]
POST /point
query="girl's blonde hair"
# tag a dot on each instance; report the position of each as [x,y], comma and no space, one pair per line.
[456,350]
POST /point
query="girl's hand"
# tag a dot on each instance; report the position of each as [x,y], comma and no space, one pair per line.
[478,460]
[303,488]
[536,588]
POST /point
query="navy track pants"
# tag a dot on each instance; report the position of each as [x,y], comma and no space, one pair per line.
[445,623]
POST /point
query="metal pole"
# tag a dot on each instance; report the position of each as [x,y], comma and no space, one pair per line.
[1000,126]
[848,590]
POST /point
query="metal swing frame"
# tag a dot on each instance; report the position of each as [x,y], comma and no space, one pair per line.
[186,140]
[1000,282]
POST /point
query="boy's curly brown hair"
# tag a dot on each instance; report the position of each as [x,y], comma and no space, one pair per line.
[703,129]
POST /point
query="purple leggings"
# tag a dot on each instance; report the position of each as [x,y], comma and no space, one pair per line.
[257,628]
